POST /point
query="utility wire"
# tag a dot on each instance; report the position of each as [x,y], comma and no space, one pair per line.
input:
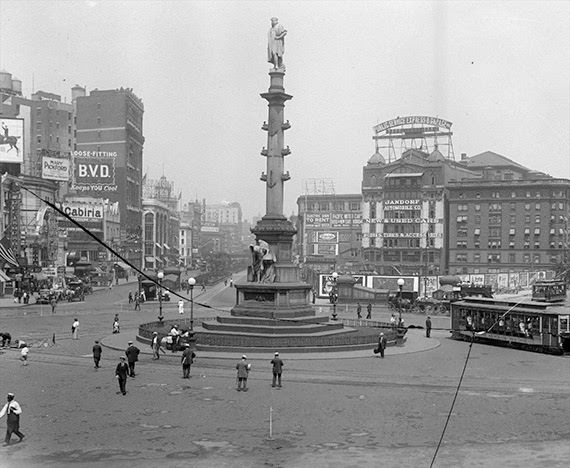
[110,249]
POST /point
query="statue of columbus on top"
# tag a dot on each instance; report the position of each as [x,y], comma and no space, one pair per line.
[276,45]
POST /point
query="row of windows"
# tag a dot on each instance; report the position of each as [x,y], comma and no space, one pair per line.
[514,194]
[498,232]
[510,258]
[513,206]
[335,206]
[498,219]
[39,140]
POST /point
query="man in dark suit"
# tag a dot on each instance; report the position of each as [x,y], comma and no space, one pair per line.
[97,354]
[382,342]
[428,326]
[121,372]
[132,353]
[187,359]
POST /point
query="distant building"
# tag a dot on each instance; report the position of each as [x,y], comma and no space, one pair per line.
[329,231]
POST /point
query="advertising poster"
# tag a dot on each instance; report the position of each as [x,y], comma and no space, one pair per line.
[94,171]
[502,280]
[55,168]
[478,280]
[523,279]
[327,237]
[514,281]
[11,140]
[329,250]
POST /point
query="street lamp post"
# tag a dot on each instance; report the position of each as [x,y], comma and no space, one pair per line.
[400,287]
[191,283]
[160,277]
[334,294]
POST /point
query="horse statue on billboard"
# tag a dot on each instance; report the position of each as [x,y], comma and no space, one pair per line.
[10,140]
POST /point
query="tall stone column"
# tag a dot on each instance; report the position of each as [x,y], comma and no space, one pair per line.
[274,228]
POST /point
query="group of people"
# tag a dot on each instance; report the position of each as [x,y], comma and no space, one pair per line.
[137,298]
[368,311]
[244,367]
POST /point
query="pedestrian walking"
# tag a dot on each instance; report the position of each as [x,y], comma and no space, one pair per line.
[137,302]
[116,324]
[243,368]
[155,345]
[358,311]
[181,307]
[369,311]
[132,353]
[121,372]
[130,297]
[75,329]
[97,350]
[203,287]
[187,360]
[277,370]
[24,355]
[428,326]
[382,342]
[393,321]
[12,410]
[53,304]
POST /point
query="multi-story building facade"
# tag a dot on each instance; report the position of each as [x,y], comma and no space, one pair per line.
[329,232]
[508,225]
[404,228]
[108,157]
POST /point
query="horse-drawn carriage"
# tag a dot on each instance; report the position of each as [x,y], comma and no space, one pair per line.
[402,301]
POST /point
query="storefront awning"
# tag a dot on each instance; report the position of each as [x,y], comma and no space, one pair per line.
[4,278]
[149,259]
[123,265]
[166,246]
[401,174]
[158,245]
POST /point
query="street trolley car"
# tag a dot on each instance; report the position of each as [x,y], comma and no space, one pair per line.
[549,291]
[532,326]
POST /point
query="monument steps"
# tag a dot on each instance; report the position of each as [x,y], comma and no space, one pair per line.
[285,349]
[261,332]
[281,321]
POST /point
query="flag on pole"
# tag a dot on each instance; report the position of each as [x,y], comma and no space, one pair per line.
[6,252]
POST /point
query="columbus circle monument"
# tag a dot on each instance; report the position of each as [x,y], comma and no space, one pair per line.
[273,308]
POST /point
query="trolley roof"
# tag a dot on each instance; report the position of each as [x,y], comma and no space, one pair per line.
[526,307]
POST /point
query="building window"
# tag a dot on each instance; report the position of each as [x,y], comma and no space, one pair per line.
[512,258]
[526,258]
[354,206]
[537,206]
[513,195]
[536,258]
[527,219]
[536,244]
[537,231]
[477,195]
[494,232]
[477,231]
[511,245]
[513,206]
[527,194]
[537,219]
[494,258]
[494,244]
[477,258]
[527,231]
[462,219]
[513,219]
[560,206]
[462,232]
[461,244]
[39,139]
[463,207]
[511,231]
[477,207]
[476,243]
[495,219]
[98,120]
[495,195]
[323,206]
[461,257]
[527,206]
[477,219]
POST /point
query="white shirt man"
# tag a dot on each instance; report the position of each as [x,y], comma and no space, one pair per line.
[180,306]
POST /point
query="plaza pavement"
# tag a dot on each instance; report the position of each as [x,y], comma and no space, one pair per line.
[512,410]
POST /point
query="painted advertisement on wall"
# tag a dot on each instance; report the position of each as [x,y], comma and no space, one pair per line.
[11,140]
[94,171]
[55,168]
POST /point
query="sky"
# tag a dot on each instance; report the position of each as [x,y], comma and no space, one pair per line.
[499,71]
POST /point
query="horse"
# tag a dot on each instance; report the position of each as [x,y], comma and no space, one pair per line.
[11,140]
[183,341]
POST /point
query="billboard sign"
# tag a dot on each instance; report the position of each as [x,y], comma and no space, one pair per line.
[327,237]
[94,171]
[55,168]
[11,140]
[83,211]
